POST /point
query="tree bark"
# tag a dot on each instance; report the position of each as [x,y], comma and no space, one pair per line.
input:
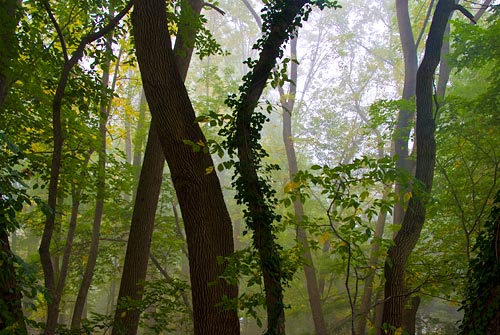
[206,219]
[288,104]
[148,192]
[414,218]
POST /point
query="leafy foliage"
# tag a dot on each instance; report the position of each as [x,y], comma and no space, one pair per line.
[481,305]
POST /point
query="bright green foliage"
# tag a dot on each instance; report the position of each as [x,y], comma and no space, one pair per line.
[353,195]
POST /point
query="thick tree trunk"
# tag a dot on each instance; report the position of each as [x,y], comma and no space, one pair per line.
[206,220]
[410,314]
[148,192]
[288,103]
[11,312]
[414,218]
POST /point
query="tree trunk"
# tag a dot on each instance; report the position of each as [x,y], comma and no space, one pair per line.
[414,218]
[11,312]
[405,116]
[252,192]
[288,103]
[366,300]
[100,193]
[48,231]
[206,219]
[147,195]
[410,314]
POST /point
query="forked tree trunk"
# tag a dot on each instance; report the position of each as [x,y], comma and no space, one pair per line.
[44,249]
[148,192]
[414,218]
[206,219]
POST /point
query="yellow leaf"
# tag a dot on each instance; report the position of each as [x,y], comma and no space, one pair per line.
[123,314]
[290,186]
[324,237]
[200,143]
[209,169]
[407,196]
[399,331]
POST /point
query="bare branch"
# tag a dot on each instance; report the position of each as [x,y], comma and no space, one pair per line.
[466,13]
[58,29]
[207,4]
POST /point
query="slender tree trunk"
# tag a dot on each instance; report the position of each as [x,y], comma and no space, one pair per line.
[288,103]
[366,300]
[414,218]
[260,212]
[100,194]
[405,116]
[206,220]
[44,249]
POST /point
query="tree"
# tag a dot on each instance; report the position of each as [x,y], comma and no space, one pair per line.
[148,190]
[206,220]
[414,217]
[11,313]
[44,249]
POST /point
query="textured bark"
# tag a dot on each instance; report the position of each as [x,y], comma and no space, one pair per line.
[288,103]
[410,314]
[414,218]
[44,249]
[147,195]
[206,219]
[8,43]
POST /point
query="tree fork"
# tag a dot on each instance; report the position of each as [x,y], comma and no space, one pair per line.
[414,218]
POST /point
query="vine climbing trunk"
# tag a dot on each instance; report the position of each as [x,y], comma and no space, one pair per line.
[253,191]
[148,191]
[414,217]
[206,219]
